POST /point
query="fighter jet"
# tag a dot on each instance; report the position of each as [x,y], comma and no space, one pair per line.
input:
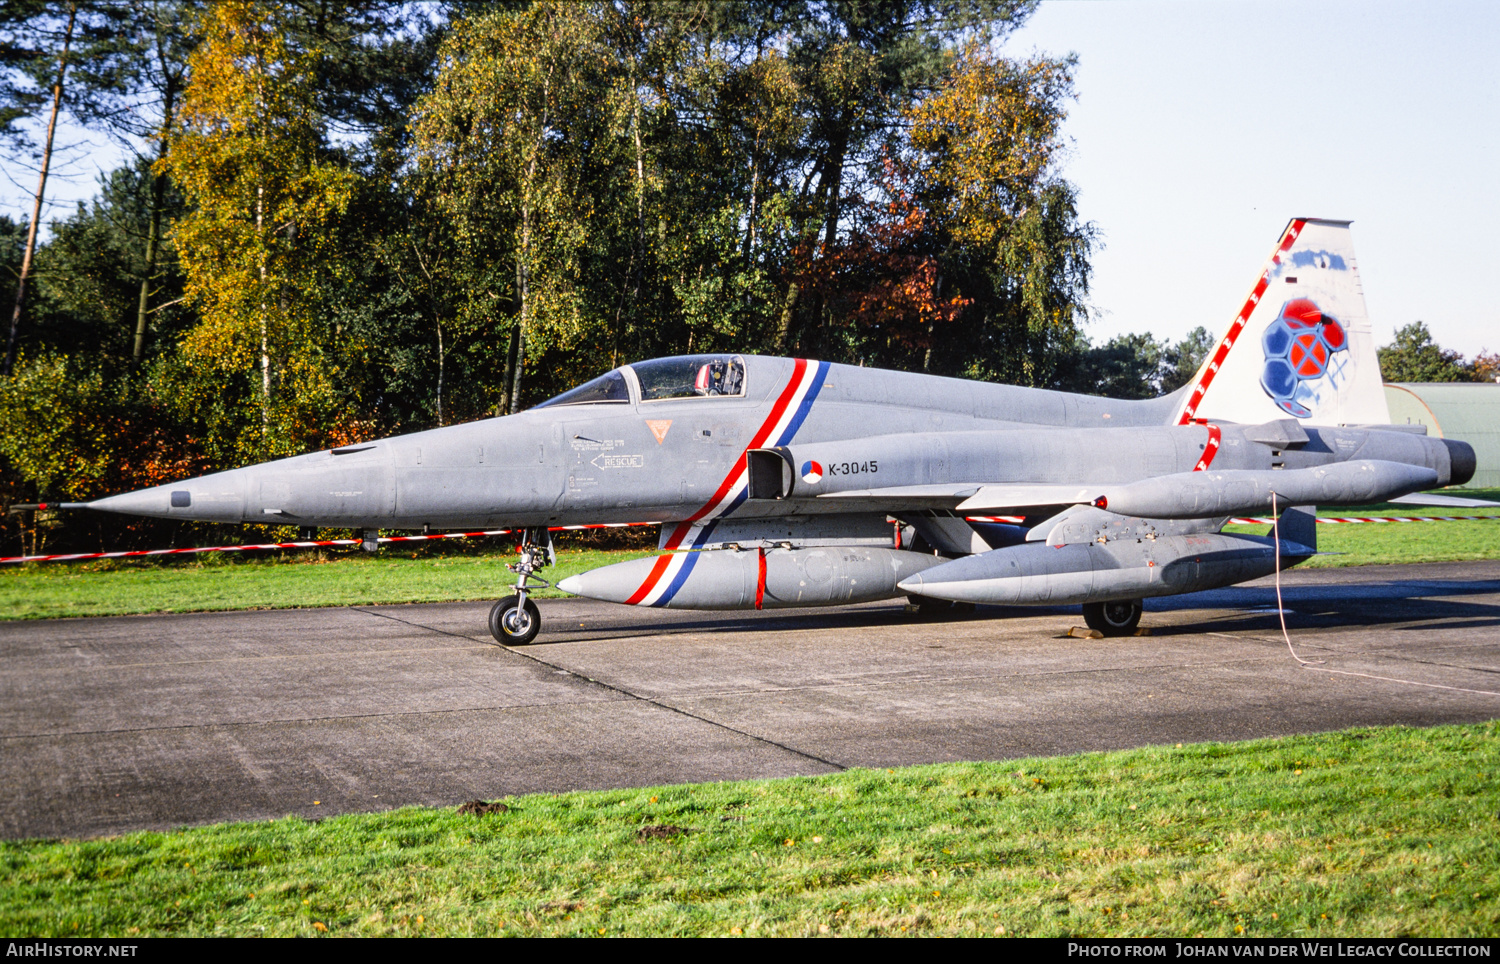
[785,482]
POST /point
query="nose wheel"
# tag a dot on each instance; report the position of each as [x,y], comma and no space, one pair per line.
[514,620]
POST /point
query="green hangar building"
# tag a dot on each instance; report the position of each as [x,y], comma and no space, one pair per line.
[1469,411]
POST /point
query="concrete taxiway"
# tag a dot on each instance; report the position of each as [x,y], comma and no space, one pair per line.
[116,724]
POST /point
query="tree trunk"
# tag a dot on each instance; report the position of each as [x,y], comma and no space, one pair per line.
[158,199]
[41,189]
[265,346]
[440,375]
[503,408]
[523,282]
[631,289]
[784,330]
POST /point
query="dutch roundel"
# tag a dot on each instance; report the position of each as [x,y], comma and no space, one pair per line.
[812,472]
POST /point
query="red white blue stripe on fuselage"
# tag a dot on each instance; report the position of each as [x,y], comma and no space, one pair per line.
[673,566]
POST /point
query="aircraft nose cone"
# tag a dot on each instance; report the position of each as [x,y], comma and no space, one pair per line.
[210,498]
[571,585]
[148,502]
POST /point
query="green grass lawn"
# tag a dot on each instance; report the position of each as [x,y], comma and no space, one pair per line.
[1379,543]
[1376,543]
[1378,832]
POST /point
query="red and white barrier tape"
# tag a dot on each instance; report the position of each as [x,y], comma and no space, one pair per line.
[1329,520]
[1267,520]
[318,543]
[304,544]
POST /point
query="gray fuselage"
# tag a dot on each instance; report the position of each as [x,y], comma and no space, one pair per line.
[637,460]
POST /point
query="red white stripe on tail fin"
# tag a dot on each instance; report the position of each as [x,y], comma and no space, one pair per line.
[1301,345]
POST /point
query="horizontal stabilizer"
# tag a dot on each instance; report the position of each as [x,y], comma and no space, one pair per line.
[1447,501]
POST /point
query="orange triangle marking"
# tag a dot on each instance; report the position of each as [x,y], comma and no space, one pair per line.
[659,428]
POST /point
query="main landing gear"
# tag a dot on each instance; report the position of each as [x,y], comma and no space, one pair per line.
[514,620]
[1118,618]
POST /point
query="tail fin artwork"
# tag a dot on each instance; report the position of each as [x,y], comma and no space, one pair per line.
[1301,345]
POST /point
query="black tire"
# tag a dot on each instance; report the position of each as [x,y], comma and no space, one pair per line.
[1116,618]
[514,625]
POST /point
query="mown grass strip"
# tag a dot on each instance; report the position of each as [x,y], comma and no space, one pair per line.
[1384,543]
[1376,832]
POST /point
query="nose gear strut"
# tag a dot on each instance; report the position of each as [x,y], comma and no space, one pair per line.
[514,620]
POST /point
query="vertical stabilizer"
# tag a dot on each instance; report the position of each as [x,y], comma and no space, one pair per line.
[1301,345]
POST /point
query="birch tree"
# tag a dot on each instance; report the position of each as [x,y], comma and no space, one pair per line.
[524,102]
[261,239]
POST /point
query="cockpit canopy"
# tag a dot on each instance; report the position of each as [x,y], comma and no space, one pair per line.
[691,376]
[686,376]
[609,387]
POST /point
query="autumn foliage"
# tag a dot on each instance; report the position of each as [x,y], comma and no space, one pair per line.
[385,217]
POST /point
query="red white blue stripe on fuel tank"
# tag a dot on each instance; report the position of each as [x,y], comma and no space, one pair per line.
[673,566]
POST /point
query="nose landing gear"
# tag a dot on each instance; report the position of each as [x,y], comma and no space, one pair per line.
[514,620]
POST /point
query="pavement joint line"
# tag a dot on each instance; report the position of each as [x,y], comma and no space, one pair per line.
[235,724]
[1328,652]
[927,680]
[1433,662]
[1380,655]
[624,692]
[1330,648]
[629,695]
[694,716]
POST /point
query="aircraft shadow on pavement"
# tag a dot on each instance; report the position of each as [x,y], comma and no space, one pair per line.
[1250,609]
[780,621]
[1329,606]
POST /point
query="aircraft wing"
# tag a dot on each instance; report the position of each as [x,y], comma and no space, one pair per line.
[1447,501]
[1015,499]
[1199,494]
[947,492]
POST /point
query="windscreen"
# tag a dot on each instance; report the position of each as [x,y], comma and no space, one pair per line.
[605,388]
[691,376]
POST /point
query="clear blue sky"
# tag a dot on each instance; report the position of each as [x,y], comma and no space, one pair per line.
[1202,127]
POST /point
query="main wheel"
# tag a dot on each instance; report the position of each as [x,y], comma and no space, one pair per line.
[514,624]
[1118,618]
